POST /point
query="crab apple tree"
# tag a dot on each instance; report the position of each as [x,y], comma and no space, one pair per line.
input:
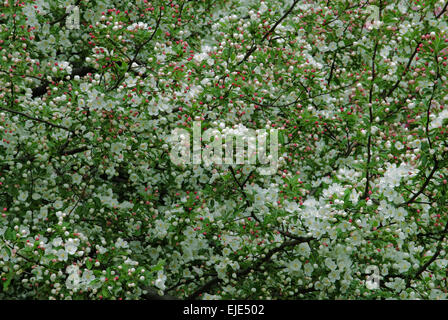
[93,206]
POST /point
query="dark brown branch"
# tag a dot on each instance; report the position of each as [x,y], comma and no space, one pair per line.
[42,89]
[369,142]
[432,259]
[137,51]
[425,184]
[35,119]
[254,47]
[215,280]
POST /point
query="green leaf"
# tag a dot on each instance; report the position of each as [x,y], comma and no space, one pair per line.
[109,272]
[159,266]
[10,234]
[282,138]
[105,292]
[8,251]
[8,280]
[347,195]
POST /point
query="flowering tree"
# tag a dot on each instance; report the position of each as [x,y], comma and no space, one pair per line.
[93,206]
